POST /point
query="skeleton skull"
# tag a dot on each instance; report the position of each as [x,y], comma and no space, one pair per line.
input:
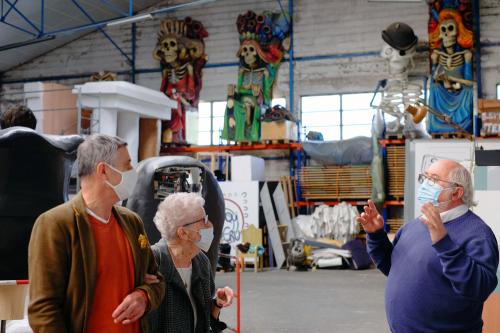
[249,54]
[448,33]
[398,63]
[169,48]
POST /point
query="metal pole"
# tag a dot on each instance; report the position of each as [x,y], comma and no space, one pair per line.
[290,55]
[42,17]
[238,292]
[477,37]
[134,45]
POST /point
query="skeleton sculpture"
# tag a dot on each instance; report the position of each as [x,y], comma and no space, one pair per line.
[399,49]
[181,52]
[261,50]
[451,85]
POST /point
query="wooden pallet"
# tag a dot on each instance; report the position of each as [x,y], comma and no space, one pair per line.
[449,135]
[175,144]
[240,143]
[396,171]
[395,224]
[394,136]
[288,185]
[277,142]
[336,182]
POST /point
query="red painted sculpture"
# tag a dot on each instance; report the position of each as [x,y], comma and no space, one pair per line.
[181,51]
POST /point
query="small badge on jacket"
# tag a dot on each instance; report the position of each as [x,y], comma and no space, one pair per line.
[143,241]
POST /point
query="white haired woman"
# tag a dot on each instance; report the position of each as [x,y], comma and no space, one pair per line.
[191,303]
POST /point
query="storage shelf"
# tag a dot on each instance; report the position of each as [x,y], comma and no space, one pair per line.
[257,146]
[385,142]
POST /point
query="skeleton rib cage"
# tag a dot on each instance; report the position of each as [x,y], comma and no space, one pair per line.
[398,94]
[451,61]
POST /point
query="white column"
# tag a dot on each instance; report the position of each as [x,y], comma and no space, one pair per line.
[128,130]
[108,121]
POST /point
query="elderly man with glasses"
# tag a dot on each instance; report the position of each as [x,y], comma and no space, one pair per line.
[442,266]
[191,304]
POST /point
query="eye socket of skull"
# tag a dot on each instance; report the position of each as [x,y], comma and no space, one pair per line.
[172,43]
[244,49]
[451,27]
[443,28]
[164,44]
[251,49]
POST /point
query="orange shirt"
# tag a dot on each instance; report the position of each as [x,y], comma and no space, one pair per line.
[115,277]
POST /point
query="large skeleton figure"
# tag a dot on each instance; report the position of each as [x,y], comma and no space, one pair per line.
[261,50]
[449,61]
[253,75]
[181,52]
[398,92]
[451,88]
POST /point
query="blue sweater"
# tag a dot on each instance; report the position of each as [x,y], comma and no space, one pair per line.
[441,287]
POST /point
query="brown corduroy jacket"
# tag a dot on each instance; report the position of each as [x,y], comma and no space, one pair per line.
[62,267]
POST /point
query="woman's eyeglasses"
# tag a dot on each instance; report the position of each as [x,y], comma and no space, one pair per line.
[204,219]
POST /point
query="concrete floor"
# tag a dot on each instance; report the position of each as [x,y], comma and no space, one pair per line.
[332,301]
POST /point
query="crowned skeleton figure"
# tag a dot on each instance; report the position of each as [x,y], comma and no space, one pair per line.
[451,88]
[262,44]
[181,51]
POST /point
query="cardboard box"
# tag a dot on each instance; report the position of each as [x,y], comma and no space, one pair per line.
[279,130]
[247,168]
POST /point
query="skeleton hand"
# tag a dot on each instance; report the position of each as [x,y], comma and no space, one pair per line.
[434,57]
[232,123]
[255,90]
[468,56]
[230,90]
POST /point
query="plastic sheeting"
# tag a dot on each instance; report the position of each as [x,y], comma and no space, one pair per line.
[377,171]
[337,222]
[356,151]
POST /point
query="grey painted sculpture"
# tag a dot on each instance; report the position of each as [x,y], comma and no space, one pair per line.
[159,176]
[34,177]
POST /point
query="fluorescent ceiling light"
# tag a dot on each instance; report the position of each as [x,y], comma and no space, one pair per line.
[155,13]
[180,6]
[131,19]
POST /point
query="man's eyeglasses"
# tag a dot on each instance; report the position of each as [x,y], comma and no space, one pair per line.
[204,219]
[433,180]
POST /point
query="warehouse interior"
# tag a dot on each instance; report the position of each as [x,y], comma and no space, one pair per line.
[295,121]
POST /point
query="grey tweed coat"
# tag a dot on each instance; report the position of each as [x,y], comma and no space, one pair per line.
[175,313]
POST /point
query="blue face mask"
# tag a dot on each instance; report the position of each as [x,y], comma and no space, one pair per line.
[428,192]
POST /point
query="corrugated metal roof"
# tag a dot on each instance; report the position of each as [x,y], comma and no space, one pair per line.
[58,14]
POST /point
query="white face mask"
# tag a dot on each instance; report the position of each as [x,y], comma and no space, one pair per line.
[126,186]
[207,236]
